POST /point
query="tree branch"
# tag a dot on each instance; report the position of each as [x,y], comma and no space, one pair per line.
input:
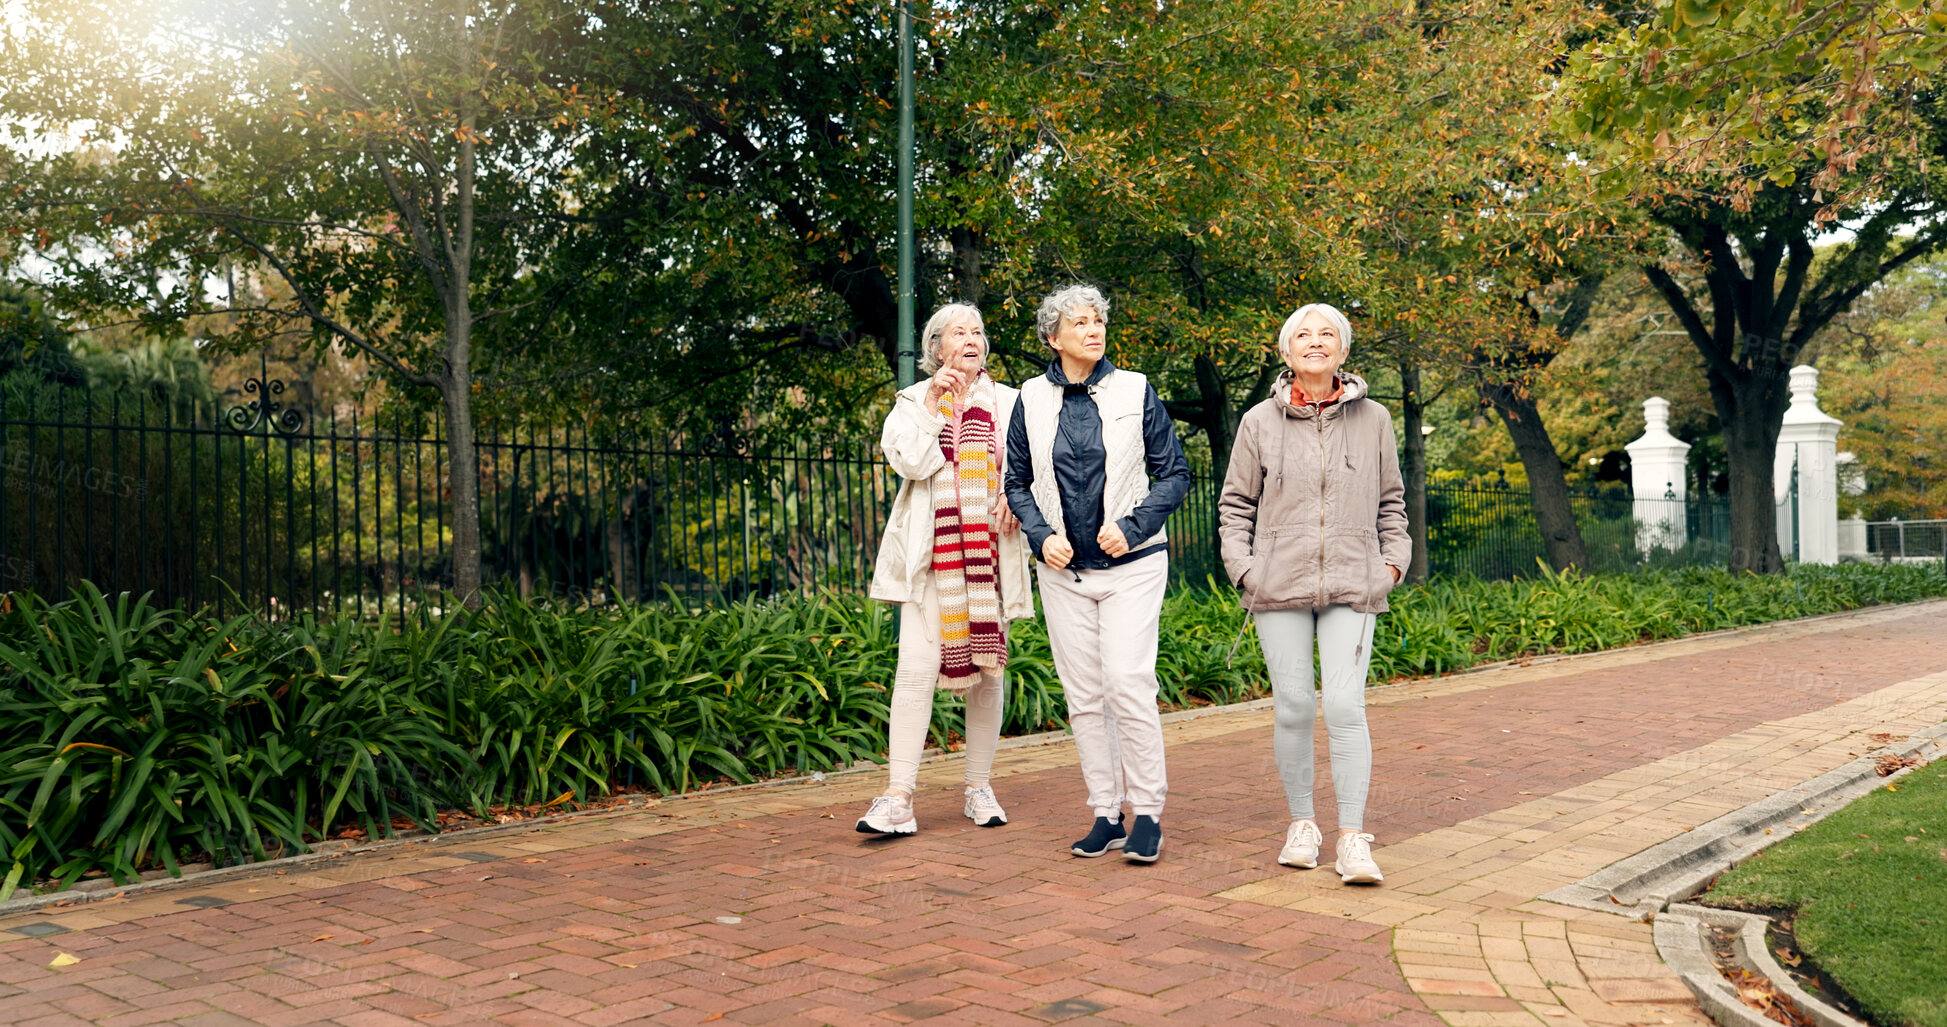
[316,312]
[1693,324]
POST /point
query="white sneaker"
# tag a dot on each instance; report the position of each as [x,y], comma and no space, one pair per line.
[889,815]
[1301,842]
[1355,863]
[983,809]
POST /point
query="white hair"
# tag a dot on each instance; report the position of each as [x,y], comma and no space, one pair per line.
[936,326]
[1332,315]
[1047,320]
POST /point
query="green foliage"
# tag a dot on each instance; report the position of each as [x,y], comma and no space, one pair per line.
[133,737]
[30,339]
[1883,369]
[1866,896]
[1761,91]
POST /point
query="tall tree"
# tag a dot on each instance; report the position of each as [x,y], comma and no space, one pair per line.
[394,169]
[750,176]
[1221,165]
[1834,136]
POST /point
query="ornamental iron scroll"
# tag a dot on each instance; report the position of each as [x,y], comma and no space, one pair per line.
[266,411]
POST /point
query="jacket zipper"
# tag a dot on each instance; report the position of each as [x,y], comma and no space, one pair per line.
[1320,417]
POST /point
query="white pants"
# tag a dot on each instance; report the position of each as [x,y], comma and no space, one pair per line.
[1103,633]
[912,699]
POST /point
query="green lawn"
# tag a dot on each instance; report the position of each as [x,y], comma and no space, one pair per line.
[1867,893]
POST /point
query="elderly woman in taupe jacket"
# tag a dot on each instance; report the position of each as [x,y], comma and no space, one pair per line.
[954,559]
[1313,526]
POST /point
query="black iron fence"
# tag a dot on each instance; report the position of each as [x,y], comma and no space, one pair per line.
[1907,541]
[278,514]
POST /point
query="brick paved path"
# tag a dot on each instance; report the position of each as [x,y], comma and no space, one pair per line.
[763,906]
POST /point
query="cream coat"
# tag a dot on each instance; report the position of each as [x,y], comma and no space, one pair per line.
[911,442]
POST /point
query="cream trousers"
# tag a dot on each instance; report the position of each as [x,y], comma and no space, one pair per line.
[912,699]
[1102,629]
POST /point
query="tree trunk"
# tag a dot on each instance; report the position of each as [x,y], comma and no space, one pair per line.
[456,382]
[1217,421]
[463,484]
[1413,465]
[1212,412]
[1751,421]
[1547,484]
[966,259]
[621,556]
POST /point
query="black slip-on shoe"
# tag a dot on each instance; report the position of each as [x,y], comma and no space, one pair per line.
[1105,835]
[1145,844]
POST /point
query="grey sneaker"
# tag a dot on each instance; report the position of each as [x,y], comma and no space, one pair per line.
[1355,863]
[889,814]
[1301,844]
[983,809]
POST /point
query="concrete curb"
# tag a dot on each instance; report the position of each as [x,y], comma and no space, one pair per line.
[1680,940]
[1650,885]
[1642,885]
[89,892]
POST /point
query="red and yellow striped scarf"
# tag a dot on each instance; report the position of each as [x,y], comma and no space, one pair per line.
[964,534]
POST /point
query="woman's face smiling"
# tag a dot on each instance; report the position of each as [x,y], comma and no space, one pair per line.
[1315,349]
[1083,336]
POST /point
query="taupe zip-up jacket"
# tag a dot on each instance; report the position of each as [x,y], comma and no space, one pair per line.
[1313,510]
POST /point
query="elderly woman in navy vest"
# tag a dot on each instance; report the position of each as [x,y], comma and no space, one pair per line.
[1093,469]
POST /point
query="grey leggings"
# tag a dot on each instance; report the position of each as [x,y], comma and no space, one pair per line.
[1344,638]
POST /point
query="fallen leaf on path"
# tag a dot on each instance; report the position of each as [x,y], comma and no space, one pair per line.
[63,959]
[324,937]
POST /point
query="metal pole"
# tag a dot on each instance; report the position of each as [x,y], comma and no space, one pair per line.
[908,356]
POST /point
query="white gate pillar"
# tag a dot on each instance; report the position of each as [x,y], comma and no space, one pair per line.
[1810,438]
[1659,479]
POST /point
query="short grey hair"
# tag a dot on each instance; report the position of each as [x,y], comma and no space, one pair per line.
[1047,320]
[935,330]
[1331,313]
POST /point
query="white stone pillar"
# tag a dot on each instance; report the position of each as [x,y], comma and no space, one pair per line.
[1852,539]
[1811,438]
[1659,478]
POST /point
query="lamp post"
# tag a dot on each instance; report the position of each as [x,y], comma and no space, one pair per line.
[908,355]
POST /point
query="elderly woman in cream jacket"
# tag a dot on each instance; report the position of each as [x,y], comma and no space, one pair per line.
[954,559]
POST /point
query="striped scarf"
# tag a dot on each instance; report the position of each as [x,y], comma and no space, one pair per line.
[963,540]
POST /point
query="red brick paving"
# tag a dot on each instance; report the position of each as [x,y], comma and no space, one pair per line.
[955,925]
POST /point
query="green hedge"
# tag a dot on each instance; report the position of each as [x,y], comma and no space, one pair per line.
[133,737]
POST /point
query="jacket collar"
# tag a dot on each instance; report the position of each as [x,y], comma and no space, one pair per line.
[1355,390]
[1055,374]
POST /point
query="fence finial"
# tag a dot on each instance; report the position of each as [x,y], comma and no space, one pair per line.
[264,411]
